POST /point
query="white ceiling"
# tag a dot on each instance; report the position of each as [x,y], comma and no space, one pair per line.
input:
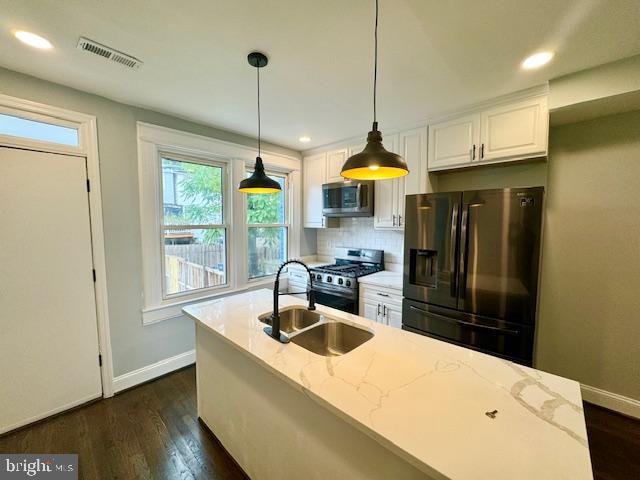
[435,55]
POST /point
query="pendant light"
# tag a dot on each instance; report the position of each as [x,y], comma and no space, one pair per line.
[258,182]
[374,162]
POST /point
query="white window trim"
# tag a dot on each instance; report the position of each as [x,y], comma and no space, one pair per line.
[154,140]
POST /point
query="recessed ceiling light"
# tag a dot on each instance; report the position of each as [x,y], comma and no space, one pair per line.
[537,60]
[304,139]
[33,40]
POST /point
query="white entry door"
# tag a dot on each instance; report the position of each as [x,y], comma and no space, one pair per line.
[48,327]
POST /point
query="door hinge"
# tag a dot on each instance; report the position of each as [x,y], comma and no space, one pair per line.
[99,359]
[88,185]
[94,274]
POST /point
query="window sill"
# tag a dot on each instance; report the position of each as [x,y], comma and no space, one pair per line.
[151,315]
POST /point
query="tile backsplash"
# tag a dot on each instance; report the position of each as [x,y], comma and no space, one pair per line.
[359,232]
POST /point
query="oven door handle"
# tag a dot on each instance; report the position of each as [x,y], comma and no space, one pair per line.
[359,195]
[506,331]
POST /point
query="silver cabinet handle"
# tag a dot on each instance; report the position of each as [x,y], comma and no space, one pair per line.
[378,309]
[382,294]
[399,220]
[482,151]
[384,311]
[323,221]
[394,220]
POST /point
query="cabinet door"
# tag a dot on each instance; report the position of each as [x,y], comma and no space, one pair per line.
[451,143]
[335,161]
[315,174]
[393,316]
[386,199]
[370,309]
[514,131]
[413,148]
[356,148]
[385,204]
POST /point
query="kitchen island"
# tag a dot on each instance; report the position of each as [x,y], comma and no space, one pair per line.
[398,406]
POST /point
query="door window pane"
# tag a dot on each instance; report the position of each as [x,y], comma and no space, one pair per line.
[267,250]
[192,193]
[194,259]
[34,130]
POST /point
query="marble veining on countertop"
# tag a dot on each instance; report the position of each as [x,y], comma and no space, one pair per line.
[452,412]
[385,278]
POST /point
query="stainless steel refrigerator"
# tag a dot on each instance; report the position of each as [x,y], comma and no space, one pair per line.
[471,264]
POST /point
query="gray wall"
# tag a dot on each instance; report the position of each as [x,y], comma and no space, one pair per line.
[589,323]
[134,345]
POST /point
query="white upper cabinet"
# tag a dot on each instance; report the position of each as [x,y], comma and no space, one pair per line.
[390,194]
[335,161]
[513,130]
[314,175]
[454,142]
[386,198]
[389,201]
[384,204]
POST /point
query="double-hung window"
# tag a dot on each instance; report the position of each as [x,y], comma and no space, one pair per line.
[193,227]
[267,230]
[201,238]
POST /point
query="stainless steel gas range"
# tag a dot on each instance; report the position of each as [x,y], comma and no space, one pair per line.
[336,285]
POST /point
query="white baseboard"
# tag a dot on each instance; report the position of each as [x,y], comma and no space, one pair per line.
[144,374]
[612,401]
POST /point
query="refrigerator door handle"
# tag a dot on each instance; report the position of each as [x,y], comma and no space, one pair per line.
[462,284]
[507,331]
[452,249]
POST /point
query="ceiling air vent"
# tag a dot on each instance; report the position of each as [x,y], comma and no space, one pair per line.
[109,53]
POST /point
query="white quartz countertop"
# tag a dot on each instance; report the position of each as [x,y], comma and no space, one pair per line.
[425,400]
[385,278]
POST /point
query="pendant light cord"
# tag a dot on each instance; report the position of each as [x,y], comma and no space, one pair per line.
[258,70]
[375,66]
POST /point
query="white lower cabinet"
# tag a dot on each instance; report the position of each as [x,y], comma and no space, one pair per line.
[382,305]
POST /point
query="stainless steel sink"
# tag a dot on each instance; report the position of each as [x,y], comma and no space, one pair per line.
[332,338]
[293,319]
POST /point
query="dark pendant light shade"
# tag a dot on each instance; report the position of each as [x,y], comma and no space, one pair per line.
[258,182]
[374,162]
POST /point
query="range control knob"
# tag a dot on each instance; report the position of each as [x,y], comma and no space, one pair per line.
[348,284]
[340,281]
[318,277]
[329,279]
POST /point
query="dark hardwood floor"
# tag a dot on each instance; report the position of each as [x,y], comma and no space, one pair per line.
[614,442]
[152,431]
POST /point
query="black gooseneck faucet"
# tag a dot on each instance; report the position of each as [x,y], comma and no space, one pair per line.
[274,330]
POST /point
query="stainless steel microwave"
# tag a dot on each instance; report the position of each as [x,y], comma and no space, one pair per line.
[348,199]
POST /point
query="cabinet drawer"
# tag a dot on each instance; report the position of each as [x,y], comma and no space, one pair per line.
[380,294]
